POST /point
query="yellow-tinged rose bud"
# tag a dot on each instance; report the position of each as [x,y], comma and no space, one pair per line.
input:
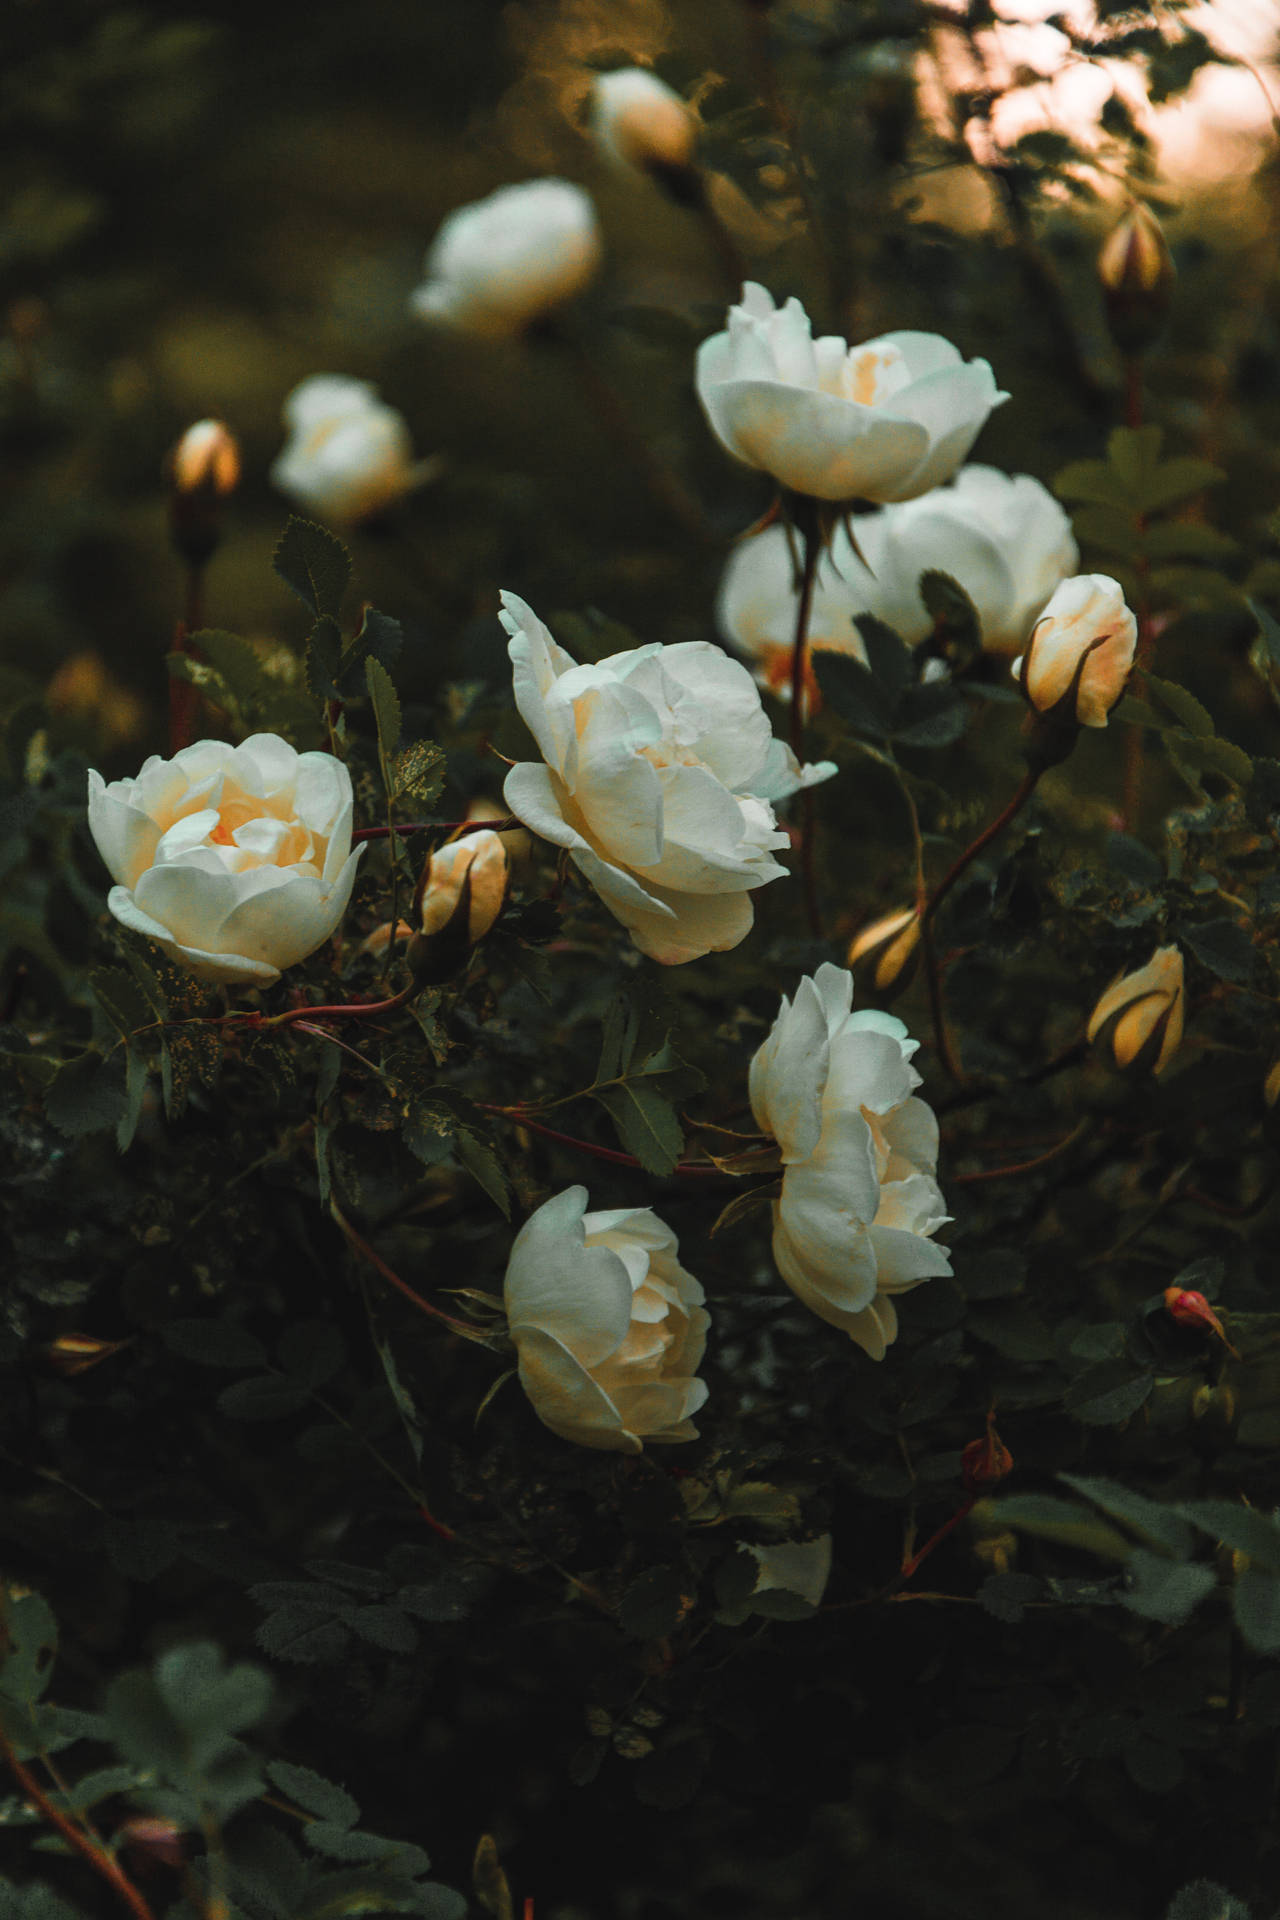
[640,121]
[1080,652]
[460,896]
[888,946]
[206,457]
[1137,273]
[73,1353]
[1141,1013]
[1271,1085]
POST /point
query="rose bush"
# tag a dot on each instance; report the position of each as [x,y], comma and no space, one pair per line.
[236,860]
[659,766]
[502,262]
[348,454]
[859,1203]
[1086,628]
[1002,537]
[886,420]
[608,1326]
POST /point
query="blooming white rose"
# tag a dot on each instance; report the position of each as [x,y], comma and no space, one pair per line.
[609,1329]
[884,421]
[659,768]
[1001,537]
[348,454]
[501,262]
[859,1199]
[1086,619]
[236,860]
[479,856]
[638,120]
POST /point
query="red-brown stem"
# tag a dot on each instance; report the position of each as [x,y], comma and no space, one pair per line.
[948,1526]
[933,981]
[1023,1166]
[1026,787]
[352,1010]
[588,1146]
[101,1861]
[1135,740]
[807,523]
[503,825]
[390,1275]
[182,697]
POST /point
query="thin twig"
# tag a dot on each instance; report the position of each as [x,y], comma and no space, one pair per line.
[102,1862]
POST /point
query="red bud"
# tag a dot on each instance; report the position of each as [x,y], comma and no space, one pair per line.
[1193,1310]
[987,1460]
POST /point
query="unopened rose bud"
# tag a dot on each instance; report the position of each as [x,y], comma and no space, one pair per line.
[155,1840]
[202,470]
[73,1353]
[985,1461]
[1271,1085]
[1080,653]
[461,895]
[1140,1014]
[637,120]
[1137,273]
[1191,1309]
[888,948]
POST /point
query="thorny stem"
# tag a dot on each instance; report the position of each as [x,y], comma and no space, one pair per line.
[522,1119]
[389,1274]
[807,522]
[99,1859]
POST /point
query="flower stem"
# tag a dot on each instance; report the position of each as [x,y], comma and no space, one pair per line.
[806,518]
[99,1859]
[1135,740]
[611,1154]
[362,1247]
[351,1010]
[910,1565]
[182,695]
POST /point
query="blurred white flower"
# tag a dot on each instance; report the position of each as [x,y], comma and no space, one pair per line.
[638,120]
[883,421]
[1086,621]
[859,1199]
[502,262]
[236,860]
[348,455]
[660,765]
[608,1327]
[1001,537]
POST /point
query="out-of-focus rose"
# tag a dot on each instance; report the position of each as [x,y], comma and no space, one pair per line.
[504,261]
[638,120]
[888,946]
[887,420]
[348,455]
[479,858]
[85,689]
[1001,537]
[859,1199]
[1143,1011]
[659,768]
[1087,629]
[608,1327]
[236,860]
[206,458]
[1136,273]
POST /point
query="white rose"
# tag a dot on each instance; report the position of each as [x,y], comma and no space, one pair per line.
[659,768]
[1086,619]
[502,262]
[608,1327]
[1001,537]
[639,121]
[348,454]
[859,1199]
[236,860]
[482,858]
[884,421]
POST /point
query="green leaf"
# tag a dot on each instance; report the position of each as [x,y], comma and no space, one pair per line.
[1134,455]
[646,1123]
[933,715]
[214,1343]
[1240,1527]
[853,692]
[1177,479]
[1188,540]
[654,1605]
[137,1072]
[478,1156]
[386,713]
[324,647]
[888,655]
[310,1636]
[121,999]
[1051,1519]
[31,1634]
[314,1793]
[1166,1590]
[1093,481]
[385,1627]
[1217,756]
[1256,1603]
[380,638]
[417,774]
[1203,1900]
[1183,705]
[953,613]
[1106,528]
[1007,1595]
[1223,947]
[1107,1394]
[1268,631]
[311,1352]
[315,564]
[1160,1526]
[86,1095]
[263,1396]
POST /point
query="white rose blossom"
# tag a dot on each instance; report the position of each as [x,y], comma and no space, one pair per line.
[1086,620]
[236,860]
[860,1203]
[883,421]
[348,455]
[637,120]
[1001,537]
[658,767]
[502,262]
[608,1327]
